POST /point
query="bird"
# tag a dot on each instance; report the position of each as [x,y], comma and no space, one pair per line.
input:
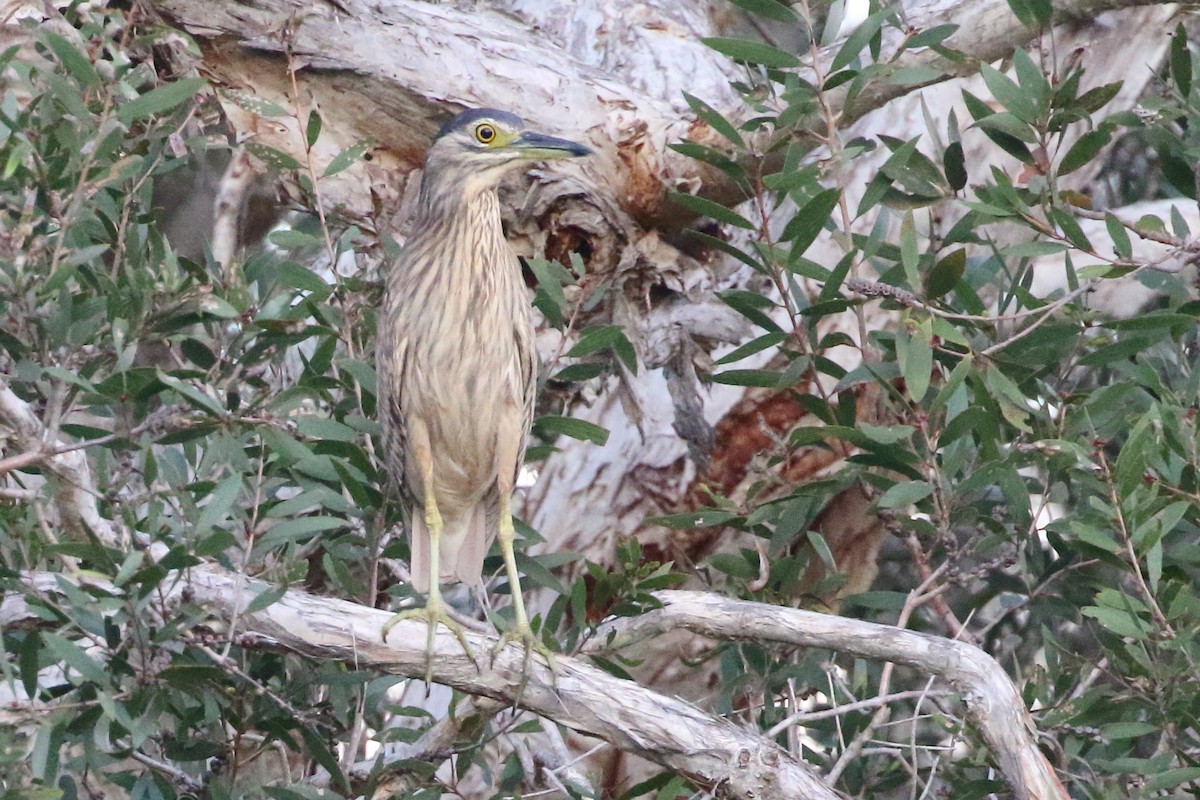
[457,366]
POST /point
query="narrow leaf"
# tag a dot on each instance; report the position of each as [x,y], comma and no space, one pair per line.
[904,494]
[160,100]
[1120,236]
[708,208]
[1181,61]
[752,52]
[1084,150]
[348,156]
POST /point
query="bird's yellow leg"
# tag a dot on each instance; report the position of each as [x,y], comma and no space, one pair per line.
[434,611]
[521,630]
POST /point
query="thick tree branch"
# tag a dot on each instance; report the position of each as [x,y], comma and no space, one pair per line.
[992,701]
[387,72]
[708,749]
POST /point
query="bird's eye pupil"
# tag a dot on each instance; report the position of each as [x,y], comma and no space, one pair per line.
[485,133]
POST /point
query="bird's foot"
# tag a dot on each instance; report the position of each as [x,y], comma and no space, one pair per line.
[434,613]
[532,644]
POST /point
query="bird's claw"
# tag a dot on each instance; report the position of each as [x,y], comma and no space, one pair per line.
[434,614]
[532,644]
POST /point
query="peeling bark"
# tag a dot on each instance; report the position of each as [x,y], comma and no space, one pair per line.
[708,749]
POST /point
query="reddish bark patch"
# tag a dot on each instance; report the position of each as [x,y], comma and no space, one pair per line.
[643,197]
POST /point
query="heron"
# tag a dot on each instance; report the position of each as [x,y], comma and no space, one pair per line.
[457,366]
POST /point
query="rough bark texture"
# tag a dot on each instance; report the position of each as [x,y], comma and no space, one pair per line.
[712,751]
[612,77]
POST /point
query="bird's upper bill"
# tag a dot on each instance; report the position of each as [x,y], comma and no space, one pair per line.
[539,146]
[502,135]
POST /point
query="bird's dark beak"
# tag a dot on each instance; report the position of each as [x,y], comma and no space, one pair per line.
[540,147]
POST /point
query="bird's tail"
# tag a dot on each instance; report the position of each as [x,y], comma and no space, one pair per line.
[464,543]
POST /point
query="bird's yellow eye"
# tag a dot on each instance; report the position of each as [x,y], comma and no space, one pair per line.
[484,134]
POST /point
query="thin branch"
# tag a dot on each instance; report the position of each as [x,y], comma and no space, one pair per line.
[806,717]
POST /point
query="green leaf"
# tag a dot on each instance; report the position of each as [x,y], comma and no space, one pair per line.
[75,62]
[946,274]
[551,277]
[1093,100]
[1095,537]
[578,373]
[803,228]
[954,162]
[752,52]
[192,395]
[751,306]
[266,598]
[1030,77]
[908,250]
[1128,730]
[707,208]
[930,36]
[859,39]
[763,378]
[550,426]
[1122,623]
[324,428]
[74,657]
[713,117]
[295,529]
[297,277]
[272,157]
[1033,14]
[220,502]
[312,131]
[957,376]
[1007,93]
[324,756]
[1084,150]
[606,337]
[887,434]
[1033,249]
[916,362]
[914,76]
[1070,228]
[347,157]
[254,104]
[160,100]
[1181,61]
[756,345]
[1170,778]
[292,239]
[707,518]
[905,494]
[1120,236]
[821,548]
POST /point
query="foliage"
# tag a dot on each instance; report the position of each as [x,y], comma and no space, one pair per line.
[1038,458]
[228,414]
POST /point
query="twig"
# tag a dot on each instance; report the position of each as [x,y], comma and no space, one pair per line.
[805,717]
[178,777]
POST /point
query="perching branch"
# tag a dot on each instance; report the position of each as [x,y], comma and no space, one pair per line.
[708,749]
